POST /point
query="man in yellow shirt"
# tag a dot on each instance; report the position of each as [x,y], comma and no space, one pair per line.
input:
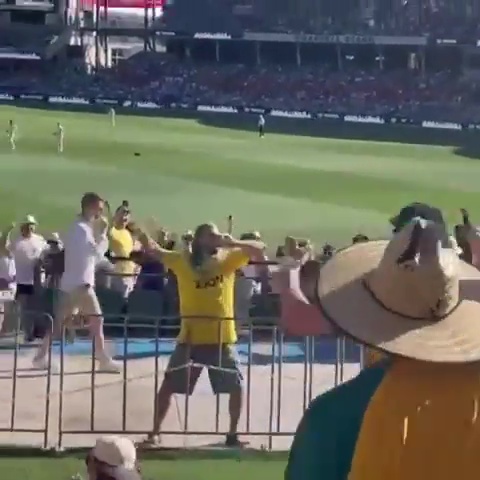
[121,246]
[205,276]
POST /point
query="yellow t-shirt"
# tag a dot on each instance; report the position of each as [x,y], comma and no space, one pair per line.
[121,245]
[206,296]
[422,423]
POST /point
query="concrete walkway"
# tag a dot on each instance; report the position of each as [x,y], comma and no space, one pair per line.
[275,399]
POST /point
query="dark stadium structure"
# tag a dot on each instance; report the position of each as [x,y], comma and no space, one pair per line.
[295,31]
[355,56]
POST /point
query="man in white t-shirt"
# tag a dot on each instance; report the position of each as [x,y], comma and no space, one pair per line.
[27,249]
[85,245]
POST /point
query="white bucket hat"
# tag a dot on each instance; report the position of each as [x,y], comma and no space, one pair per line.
[116,452]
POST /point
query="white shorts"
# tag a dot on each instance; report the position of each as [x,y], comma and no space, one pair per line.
[81,300]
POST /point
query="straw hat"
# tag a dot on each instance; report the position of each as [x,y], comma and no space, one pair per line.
[410,296]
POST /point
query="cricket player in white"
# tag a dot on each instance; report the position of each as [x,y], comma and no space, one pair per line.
[12,134]
[261,126]
[112,115]
[85,245]
[60,135]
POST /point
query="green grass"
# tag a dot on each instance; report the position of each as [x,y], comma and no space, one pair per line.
[188,172]
[178,469]
[21,464]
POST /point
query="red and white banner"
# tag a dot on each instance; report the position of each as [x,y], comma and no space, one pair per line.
[123,4]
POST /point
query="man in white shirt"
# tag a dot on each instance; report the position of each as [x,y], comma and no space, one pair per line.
[85,245]
[27,249]
[60,136]
[112,116]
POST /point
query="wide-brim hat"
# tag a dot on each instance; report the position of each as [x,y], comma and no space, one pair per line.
[29,220]
[408,296]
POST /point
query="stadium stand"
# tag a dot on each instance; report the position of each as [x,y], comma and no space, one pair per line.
[408,58]
[22,41]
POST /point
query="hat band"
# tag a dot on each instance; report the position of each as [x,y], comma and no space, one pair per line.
[434,318]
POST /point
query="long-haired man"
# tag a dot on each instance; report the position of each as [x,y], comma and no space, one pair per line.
[205,275]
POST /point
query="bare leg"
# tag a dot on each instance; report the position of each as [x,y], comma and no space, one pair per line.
[163,401]
[235,404]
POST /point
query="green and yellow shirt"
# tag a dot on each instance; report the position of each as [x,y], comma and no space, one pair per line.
[397,420]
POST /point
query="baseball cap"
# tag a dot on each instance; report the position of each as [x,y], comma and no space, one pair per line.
[116,451]
[421,210]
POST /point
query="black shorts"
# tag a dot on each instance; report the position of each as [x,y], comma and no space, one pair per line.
[24,289]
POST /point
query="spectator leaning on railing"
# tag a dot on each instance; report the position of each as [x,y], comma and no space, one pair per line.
[205,277]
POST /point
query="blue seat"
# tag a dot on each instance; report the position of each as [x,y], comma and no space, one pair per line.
[145,307]
[112,304]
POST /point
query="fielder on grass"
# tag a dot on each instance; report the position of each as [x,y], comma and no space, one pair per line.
[261,126]
[60,136]
[12,134]
[112,114]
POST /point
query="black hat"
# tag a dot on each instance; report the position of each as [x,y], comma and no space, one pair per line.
[422,210]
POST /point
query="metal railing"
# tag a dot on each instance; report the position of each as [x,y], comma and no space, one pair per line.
[79,402]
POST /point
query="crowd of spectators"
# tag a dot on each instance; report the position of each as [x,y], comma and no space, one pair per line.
[159,78]
[128,280]
[154,77]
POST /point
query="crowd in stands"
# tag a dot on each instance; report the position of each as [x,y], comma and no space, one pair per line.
[156,78]
[349,87]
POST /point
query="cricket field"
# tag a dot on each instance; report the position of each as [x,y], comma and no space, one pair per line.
[324,183]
